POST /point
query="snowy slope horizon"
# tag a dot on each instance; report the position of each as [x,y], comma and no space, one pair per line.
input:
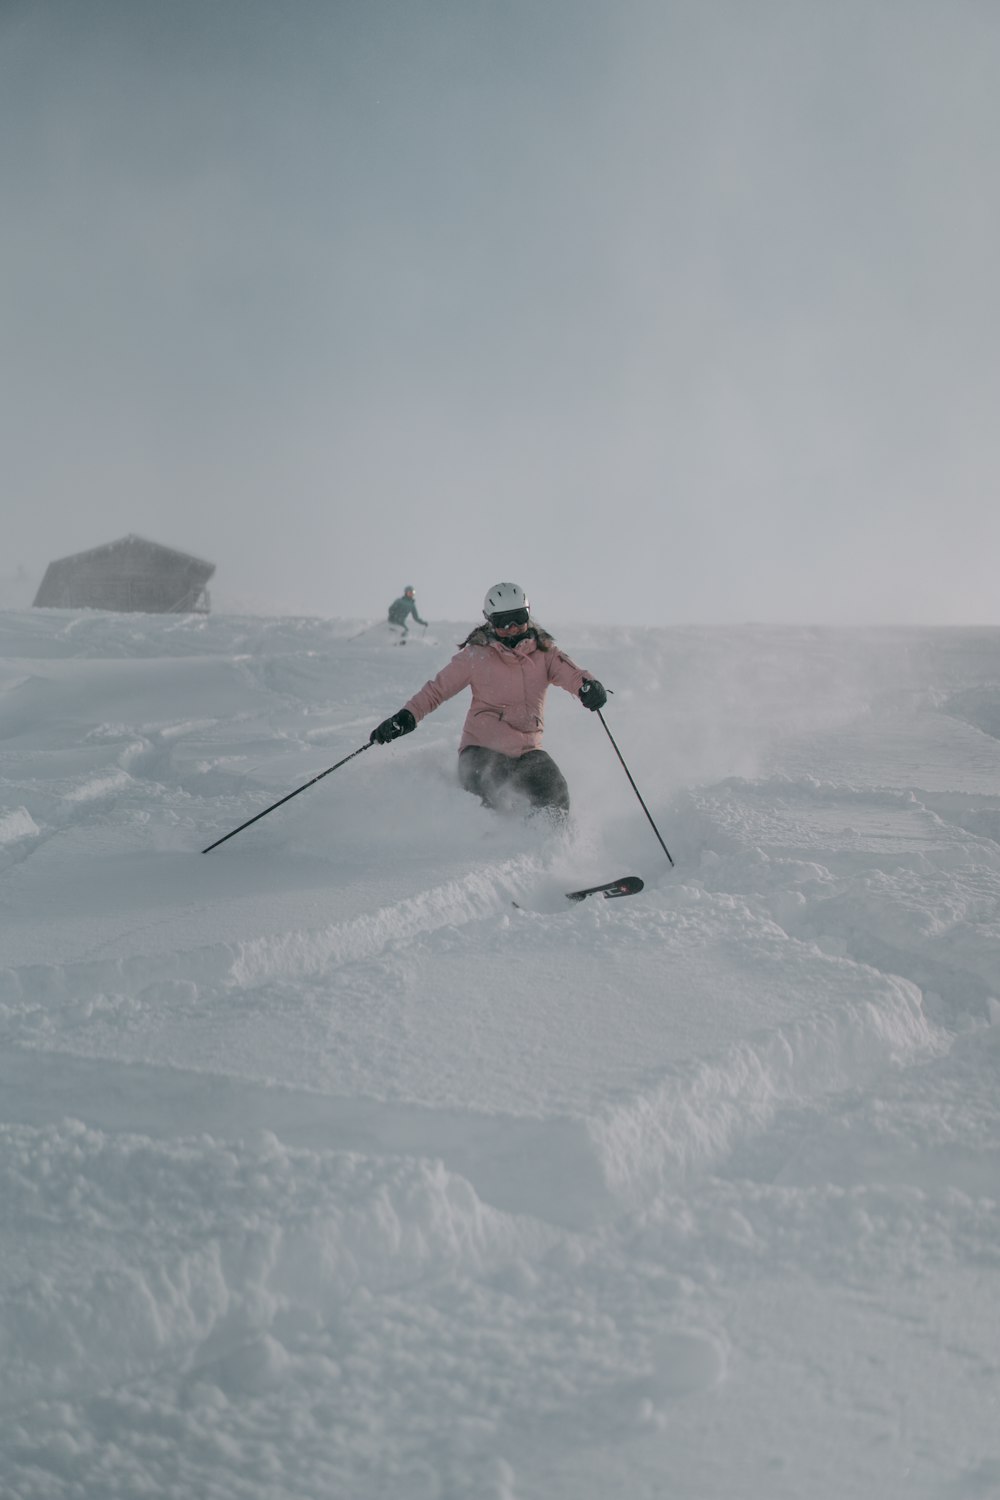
[326,1171]
[18,590]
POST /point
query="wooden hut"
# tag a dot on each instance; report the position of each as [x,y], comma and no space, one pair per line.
[128,575]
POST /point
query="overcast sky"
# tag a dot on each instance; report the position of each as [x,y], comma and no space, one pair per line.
[669,311]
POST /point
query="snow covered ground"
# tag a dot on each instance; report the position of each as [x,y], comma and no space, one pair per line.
[326,1172]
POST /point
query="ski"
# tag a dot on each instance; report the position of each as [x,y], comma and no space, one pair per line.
[628,885]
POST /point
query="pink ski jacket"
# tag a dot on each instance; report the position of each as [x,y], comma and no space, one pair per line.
[508,691]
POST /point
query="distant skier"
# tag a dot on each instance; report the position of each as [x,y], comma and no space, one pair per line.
[401,609]
[508,663]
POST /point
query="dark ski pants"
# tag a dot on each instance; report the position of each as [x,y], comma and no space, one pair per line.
[503,781]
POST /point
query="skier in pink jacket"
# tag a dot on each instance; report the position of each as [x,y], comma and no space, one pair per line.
[508,663]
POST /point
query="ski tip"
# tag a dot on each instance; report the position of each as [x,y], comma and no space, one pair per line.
[627,885]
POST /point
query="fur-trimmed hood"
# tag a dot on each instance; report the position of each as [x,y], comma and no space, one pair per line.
[482,635]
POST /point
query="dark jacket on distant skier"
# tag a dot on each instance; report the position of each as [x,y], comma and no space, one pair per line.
[402,608]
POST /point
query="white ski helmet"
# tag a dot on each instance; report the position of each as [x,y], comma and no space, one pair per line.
[502,597]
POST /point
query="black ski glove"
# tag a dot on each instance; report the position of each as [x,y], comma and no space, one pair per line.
[391,729]
[592,694]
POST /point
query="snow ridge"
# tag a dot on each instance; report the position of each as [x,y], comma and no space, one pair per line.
[695,1117]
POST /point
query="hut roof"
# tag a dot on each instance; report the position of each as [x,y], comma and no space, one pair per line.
[128,574]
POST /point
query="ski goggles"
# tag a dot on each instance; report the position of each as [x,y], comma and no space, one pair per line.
[509,618]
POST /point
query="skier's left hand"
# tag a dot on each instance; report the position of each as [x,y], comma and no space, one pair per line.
[592,695]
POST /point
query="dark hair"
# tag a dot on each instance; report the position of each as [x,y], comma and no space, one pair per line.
[480,635]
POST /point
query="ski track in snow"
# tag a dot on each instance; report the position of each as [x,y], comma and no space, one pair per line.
[326,1172]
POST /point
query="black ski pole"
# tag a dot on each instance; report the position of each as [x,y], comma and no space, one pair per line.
[298,789]
[635,789]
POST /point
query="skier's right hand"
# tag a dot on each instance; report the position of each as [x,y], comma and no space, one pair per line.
[391,729]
